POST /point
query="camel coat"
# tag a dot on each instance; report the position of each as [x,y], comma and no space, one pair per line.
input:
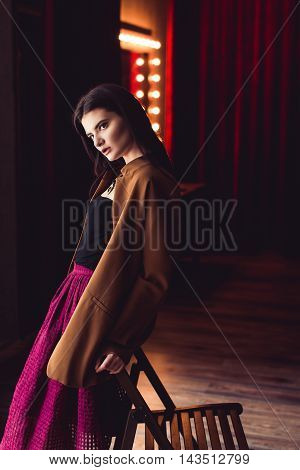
[117,310]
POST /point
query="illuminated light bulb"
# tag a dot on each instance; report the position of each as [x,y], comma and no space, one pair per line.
[155,126]
[140,94]
[138,40]
[154,94]
[140,77]
[140,61]
[155,110]
[155,77]
[155,61]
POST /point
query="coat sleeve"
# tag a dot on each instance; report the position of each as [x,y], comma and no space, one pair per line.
[137,319]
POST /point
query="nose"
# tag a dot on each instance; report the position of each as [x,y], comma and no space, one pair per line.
[98,142]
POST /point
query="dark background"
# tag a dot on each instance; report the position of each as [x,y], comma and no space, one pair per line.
[252,155]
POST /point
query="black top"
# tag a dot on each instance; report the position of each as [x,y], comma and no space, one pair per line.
[96,234]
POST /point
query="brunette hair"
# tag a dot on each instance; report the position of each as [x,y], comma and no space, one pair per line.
[113,97]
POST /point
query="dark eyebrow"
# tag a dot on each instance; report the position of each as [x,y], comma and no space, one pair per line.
[97,125]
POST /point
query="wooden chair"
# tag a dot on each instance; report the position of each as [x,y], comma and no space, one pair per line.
[205,433]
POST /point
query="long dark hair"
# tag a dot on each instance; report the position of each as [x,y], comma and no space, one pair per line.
[118,99]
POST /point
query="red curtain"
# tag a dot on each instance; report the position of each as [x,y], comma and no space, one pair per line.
[247,117]
[169,78]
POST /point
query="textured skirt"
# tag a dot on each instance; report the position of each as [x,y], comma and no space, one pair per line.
[45,414]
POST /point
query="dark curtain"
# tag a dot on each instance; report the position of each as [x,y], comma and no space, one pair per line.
[66,48]
[236,105]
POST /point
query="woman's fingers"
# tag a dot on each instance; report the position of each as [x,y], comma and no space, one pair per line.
[117,366]
[105,365]
[112,363]
[118,370]
[98,362]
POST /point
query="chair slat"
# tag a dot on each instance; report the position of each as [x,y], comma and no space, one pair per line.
[175,439]
[149,439]
[147,415]
[238,429]
[213,430]
[201,437]
[187,430]
[226,431]
[129,434]
[162,424]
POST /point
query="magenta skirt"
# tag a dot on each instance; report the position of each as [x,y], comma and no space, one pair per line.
[45,414]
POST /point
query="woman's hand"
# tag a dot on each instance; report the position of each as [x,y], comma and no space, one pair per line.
[112,363]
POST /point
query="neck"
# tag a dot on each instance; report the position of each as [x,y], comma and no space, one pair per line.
[134,152]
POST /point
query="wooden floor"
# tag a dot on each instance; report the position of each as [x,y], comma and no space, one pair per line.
[230,334]
[241,345]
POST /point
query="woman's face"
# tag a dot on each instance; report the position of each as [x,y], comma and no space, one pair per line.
[109,133]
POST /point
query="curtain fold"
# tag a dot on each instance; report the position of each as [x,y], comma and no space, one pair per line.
[246,86]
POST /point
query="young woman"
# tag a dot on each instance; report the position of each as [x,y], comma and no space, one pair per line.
[67,396]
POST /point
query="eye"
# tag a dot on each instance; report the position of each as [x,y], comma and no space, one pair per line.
[103,124]
[91,137]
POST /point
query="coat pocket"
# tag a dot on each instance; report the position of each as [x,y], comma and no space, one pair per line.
[72,361]
[101,305]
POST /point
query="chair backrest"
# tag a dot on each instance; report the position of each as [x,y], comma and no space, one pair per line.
[205,435]
[142,412]
[143,365]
